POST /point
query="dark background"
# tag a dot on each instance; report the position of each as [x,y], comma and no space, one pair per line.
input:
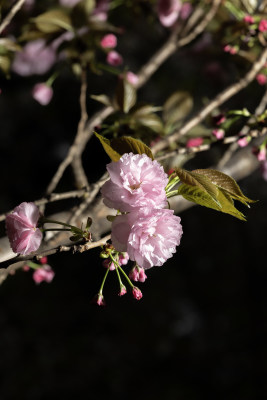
[200,330]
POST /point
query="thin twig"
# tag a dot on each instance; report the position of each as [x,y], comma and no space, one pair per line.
[6,21]
[244,131]
[218,100]
[77,167]
[204,147]
[78,247]
[54,197]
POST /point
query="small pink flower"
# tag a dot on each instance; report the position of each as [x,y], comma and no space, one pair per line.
[137,294]
[123,291]
[109,41]
[218,133]
[248,19]
[261,79]
[132,78]
[34,58]
[243,141]
[22,231]
[227,48]
[26,268]
[261,156]
[263,25]
[149,236]
[233,50]
[135,181]
[43,274]
[114,58]
[42,93]
[194,142]
[168,11]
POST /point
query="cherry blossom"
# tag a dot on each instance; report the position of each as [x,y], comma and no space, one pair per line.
[149,236]
[22,231]
[135,181]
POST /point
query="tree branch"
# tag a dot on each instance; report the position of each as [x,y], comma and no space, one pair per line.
[6,21]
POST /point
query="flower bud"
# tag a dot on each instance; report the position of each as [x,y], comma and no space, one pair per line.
[137,294]
[123,291]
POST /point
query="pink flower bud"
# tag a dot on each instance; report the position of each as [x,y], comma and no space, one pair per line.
[248,19]
[243,142]
[114,58]
[99,300]
[109,41]
[263,25]
[123,258]
[108,264]
[218,133]
[186,10]
[132,78]
[137,294]
[42,93]
[168,11]
[22,231]
[264,170]
[142,275]
[43,274]
[123,291]
[43,260]
[134,274]
[227,48]
[26,268]
[194,142]
[262,154]
[261,79]
[219,119]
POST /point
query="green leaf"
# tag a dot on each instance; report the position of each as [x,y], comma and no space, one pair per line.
[127,144]
[204,183]
[101,98]
[114,156]
[177,107]
[125,95]
[53,21]
[199,196]
[225,182]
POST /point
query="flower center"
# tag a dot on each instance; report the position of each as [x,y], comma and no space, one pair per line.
[135,186]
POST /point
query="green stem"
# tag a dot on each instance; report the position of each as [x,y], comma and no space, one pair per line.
[51,221]
[172,194]
[55,229]
[119,277]
[103,282]
[33,265]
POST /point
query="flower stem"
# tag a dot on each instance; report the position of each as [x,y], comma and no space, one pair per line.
[103,282]
[55,229]
[51,221]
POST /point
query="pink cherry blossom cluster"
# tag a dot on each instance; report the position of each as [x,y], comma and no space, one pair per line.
[147,231]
